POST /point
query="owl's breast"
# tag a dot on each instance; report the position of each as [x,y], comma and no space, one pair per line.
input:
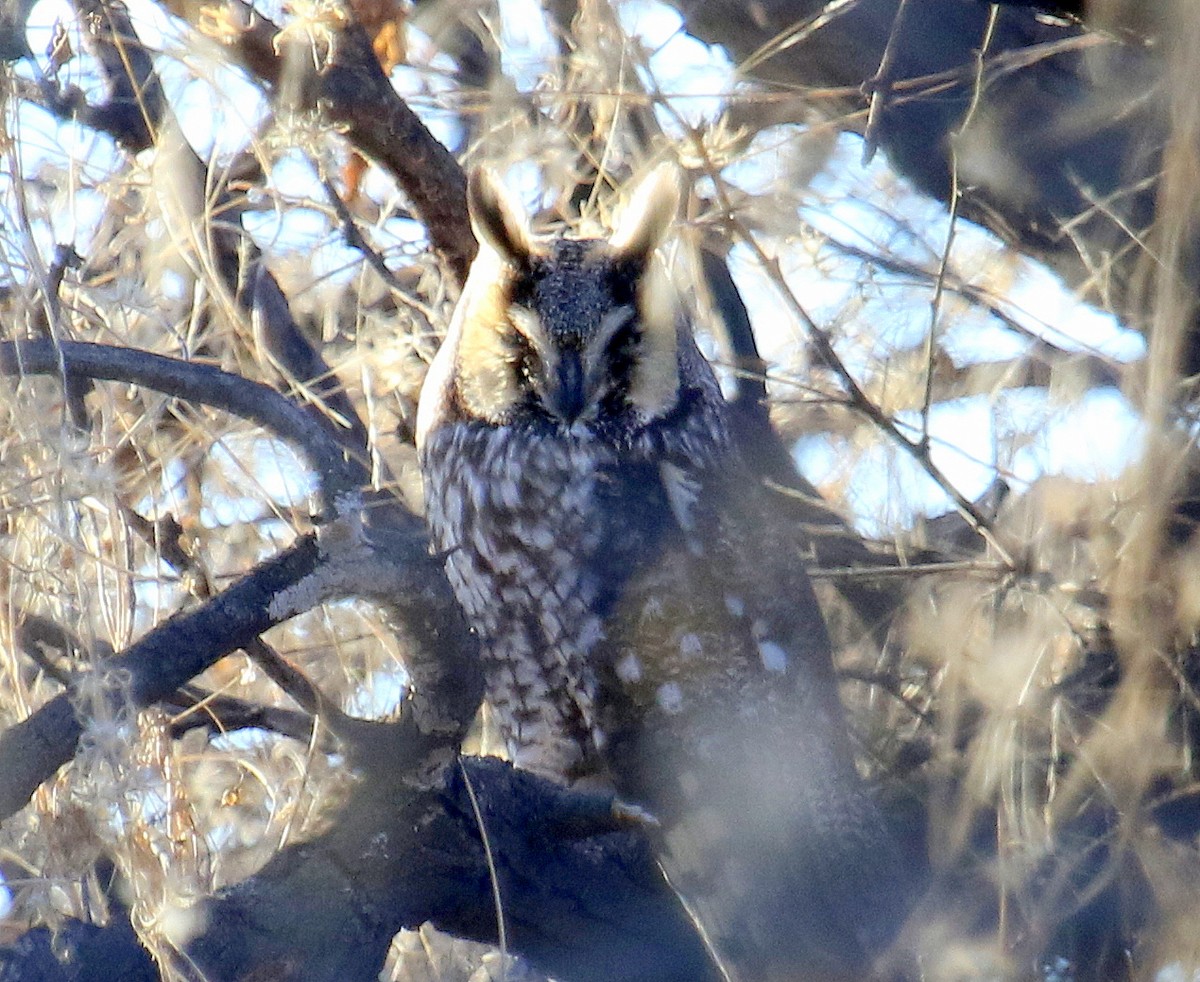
[540,529]
[530,514]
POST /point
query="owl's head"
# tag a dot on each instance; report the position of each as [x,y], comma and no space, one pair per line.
[559,329]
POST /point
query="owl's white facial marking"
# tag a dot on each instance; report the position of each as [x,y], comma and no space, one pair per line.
[565,330]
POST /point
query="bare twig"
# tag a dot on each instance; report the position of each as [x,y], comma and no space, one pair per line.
[136,105]
[305,693]
[982,567]
[35,634]
[1102,370]
[858,399]
[337,472]
[165,536]
[193,708]
[358,97]
[879,86]
[356,240]
[290,352]
[796,34]
[935,302]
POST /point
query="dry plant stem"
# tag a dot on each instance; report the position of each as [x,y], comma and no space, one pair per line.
[192,708]
[931,84]
[1101,370]
[494,879]
[796,34]
[879,86]
[1145,616]
[858,399]
[354,238]
[981,567]
[935,302]
[158,664]
[793,104]
[337,473]
[1102,271]
[302,689]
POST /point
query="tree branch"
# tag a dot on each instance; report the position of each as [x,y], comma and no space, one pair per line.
[164,659]
[357,96]
[337,473]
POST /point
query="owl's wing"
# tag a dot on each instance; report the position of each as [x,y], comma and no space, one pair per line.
[720,708]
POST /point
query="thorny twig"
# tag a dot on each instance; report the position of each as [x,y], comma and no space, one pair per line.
[193,708]
[355,239]
[858,399]
[1105,370]
[303,690]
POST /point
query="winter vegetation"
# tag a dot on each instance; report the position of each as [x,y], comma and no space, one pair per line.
[944,254]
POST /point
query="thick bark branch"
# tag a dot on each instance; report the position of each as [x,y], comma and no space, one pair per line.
[581,900]
[356,95]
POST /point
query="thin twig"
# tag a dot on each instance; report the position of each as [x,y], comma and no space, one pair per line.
[493,879]
[859,400]
[165,536]
[796,34]
[980,566]
[1105,370]
[307,695]
[355,239]
[198,709]
[935,303]
[880,86]
[890,683]
[289,352]
[158,663]
[825,350]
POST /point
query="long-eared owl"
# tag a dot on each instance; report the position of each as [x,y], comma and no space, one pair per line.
[642,614]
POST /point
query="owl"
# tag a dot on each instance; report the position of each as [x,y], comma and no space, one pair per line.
[644,617]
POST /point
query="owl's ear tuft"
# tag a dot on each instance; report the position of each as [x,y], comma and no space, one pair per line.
[643,222]
[498,219]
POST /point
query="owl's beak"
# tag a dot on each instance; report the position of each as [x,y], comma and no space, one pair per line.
[565,389]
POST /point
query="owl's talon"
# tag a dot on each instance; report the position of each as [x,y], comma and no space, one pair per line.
[579,813]
[627,813]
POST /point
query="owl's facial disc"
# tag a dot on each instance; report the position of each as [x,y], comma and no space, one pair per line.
[569,374]
[550,372]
